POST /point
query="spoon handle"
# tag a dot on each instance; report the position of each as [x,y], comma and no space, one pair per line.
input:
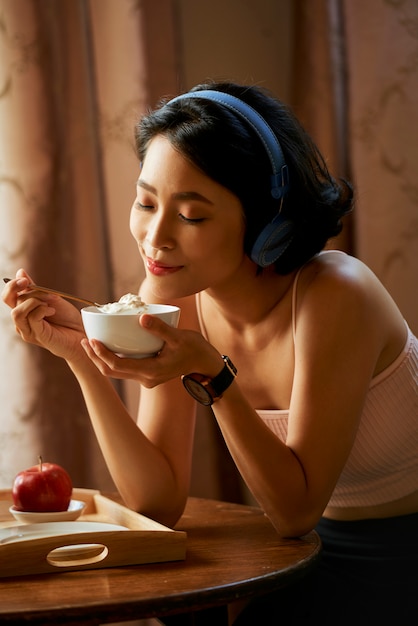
[68,296]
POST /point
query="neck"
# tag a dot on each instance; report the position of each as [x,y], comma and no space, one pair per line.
[250,297]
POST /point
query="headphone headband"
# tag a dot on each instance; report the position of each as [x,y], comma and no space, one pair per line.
[279,177]
[275,238]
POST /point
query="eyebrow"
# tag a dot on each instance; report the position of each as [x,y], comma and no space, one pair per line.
[181,195]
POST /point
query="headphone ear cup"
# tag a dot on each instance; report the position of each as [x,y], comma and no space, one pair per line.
[273,240]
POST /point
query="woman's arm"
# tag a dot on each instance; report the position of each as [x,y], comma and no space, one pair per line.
[343,324]
[149,461]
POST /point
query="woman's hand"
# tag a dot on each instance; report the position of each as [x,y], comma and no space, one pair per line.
[43,319]
[184,351]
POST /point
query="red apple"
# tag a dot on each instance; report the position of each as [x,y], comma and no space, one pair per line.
[42,488]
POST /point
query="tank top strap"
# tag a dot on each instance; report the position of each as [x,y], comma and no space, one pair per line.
[294,301]
[200,315]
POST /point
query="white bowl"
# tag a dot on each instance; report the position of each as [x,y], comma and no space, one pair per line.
[74,511]
[121,332]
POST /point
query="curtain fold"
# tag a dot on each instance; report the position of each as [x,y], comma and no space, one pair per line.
[49,165]
[355,89]
[319,87]
[382,53]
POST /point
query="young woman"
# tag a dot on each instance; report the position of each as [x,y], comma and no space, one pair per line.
[308,364]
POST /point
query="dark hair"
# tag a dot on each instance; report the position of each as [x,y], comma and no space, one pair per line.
[227,149]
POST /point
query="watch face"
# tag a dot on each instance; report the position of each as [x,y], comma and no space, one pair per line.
[197,390]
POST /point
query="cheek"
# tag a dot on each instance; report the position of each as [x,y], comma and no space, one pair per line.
[225,254]
[135,225]
[232,244]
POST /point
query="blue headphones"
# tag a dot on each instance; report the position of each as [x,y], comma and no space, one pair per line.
[278,234]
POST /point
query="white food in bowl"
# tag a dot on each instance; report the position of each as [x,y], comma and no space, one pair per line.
[127,304]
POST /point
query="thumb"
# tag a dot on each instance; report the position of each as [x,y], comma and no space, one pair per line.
[21,273]
[156,326]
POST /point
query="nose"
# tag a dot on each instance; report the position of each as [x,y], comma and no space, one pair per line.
[159,233]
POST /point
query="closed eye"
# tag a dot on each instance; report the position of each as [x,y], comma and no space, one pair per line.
[190,220]
[138,205]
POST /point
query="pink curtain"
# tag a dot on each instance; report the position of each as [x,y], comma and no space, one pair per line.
[356,89]
[74,76]
[382,57]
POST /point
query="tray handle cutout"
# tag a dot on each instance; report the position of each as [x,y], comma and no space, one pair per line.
[77,554]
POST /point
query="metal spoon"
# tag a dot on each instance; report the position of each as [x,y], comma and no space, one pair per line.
[68,296]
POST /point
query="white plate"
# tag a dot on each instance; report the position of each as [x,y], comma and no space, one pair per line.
[74,511]
[28,532]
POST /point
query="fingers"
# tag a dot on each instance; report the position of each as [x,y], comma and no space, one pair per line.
[15,287]
[114,366]
[97,353]
[9,293]
[28,319]
[21,274]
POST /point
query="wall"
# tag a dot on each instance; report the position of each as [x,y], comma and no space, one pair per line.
[242,40]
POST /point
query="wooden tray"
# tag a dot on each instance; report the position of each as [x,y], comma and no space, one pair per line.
[140,541]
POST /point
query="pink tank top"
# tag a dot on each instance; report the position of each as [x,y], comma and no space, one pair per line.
[383,462]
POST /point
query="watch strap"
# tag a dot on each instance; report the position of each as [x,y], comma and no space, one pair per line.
[223,380]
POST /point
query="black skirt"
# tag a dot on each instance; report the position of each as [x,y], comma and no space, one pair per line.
[367,574]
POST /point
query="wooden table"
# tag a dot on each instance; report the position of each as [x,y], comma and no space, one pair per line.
[233,552]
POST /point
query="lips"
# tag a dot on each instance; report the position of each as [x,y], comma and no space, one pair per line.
[160,269]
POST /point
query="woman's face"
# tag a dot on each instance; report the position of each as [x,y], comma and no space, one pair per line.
[189,229]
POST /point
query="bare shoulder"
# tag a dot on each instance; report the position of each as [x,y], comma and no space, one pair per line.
[332,288]
[341,294]
[347,279]
[336,267]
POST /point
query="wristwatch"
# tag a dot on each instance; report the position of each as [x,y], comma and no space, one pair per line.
[207,390]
